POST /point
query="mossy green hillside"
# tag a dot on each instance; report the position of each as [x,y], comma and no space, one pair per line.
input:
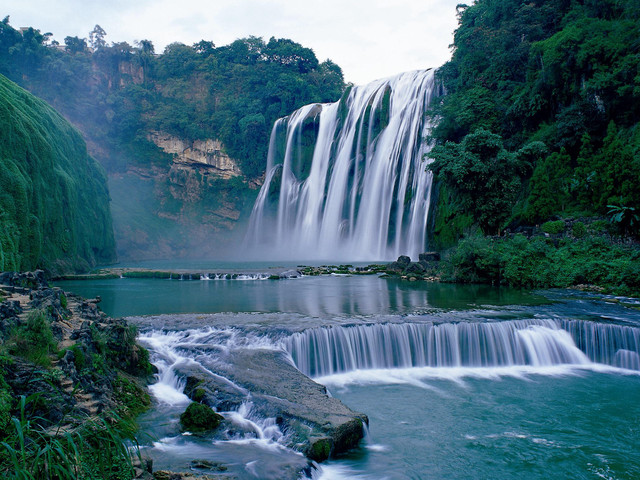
[54,202]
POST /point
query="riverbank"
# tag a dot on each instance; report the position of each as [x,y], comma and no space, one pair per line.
[75,375]
[591,263]
[72,382]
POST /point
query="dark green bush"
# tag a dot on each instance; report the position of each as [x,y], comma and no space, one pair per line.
[578,229]
[553,227]
[199,418]
[540,262]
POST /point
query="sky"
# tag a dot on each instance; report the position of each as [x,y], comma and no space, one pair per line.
[369,39]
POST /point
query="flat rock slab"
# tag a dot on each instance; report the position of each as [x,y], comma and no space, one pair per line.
[318,425]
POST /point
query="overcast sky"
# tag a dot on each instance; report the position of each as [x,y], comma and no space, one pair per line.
[369,39]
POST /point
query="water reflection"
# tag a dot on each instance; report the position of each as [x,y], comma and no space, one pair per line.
[326,296]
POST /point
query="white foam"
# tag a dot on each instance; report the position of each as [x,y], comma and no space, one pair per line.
[341,472]
[419,375]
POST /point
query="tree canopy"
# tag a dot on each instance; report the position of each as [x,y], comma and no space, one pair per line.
[561,72]
[119,92]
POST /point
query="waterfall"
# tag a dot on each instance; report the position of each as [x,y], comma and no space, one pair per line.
[326,351]
[347,180]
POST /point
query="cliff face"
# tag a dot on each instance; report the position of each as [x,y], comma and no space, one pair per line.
[54,202]
[200,153]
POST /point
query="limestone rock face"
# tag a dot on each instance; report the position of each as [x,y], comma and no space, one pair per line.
[208,152]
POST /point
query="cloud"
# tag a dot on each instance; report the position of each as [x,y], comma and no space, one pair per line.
[369,39]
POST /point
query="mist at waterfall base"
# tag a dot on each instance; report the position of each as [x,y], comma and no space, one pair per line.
[458,381]
[347,181]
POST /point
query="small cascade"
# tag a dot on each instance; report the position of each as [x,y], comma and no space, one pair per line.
[265,430]
[616,345]
[539,343]
[348,179]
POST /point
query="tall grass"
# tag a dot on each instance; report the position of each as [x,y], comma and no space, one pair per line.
[99,448]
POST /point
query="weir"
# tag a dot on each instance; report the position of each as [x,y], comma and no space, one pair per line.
[347,180]
[326,351]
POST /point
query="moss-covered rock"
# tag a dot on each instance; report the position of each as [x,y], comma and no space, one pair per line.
[199,418]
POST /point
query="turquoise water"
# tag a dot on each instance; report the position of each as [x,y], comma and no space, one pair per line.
[547,421]
[575,426]
[312,296]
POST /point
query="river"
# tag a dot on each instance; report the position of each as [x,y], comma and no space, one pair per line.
[457,381]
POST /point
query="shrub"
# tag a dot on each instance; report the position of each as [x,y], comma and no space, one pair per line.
[578,230]
[132,398]
[553,227]
[33,340]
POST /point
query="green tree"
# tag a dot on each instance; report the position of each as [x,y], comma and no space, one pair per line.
[75,44]
[485,177]
[96,37]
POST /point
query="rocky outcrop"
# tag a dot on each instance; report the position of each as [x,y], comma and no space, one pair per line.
[208,153]
[318,425]
[64,349]
[426,268]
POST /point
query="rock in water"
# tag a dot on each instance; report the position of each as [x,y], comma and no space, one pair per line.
[199,418]
[319,425]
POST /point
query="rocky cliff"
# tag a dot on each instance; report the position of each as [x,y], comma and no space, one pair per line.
[200,153]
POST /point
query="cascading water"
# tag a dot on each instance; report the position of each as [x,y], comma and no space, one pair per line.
[537,343]
[348,180]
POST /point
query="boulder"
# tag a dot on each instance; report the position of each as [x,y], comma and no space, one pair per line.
[403,260]
[199,418]
[32,280]
[415,268]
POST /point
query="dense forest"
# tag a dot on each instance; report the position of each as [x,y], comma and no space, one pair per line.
[539,127]
[542,110]
[54,203]
[118,93]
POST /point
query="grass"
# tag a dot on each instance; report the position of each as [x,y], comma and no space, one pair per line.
[33,340]
[97,449]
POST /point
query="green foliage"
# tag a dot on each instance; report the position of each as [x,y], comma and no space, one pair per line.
[63,300]
[119,93]
[6,400]
[625,218]
[54,210]
[33,340]
[98,449]
[199,418]
[132,397]
[539,262]
[484,177]
[553,227]
[578,229]
[552,71]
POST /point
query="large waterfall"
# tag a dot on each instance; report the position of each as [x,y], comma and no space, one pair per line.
[347,180]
